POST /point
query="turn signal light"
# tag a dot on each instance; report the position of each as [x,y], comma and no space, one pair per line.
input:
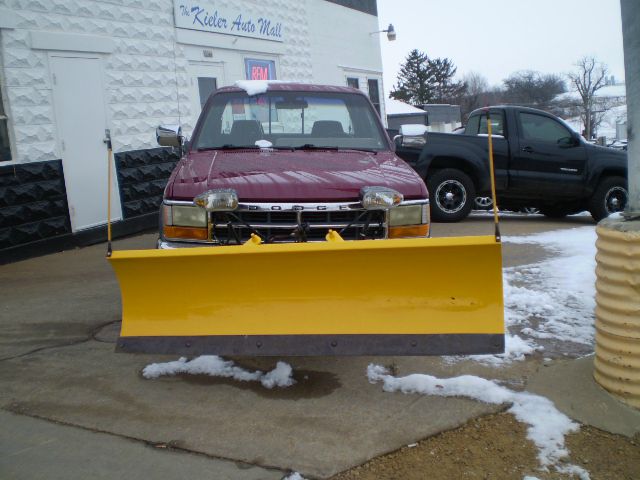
[189,233]
[409,231]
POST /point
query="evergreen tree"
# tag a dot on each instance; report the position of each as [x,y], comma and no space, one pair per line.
[414,83]
[422,80]
[445,89]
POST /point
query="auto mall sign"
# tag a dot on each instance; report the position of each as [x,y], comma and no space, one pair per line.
[207,17]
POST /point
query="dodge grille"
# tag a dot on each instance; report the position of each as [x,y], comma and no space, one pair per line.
[290,226]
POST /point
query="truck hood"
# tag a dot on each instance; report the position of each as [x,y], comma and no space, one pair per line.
[292,176]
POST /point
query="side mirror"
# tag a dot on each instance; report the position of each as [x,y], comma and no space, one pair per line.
[169,135]
[577,138]
[413,130]
[568,142]
[412,135]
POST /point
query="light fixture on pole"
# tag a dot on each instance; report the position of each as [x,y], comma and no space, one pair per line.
[390,31]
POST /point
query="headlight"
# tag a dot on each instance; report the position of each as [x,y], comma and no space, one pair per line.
[379,198]
[219,200]
[184,216]
[407,215]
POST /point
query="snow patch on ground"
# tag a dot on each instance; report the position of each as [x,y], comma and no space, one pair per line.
[553,299]
[515,350]
[294,476]
[560,292]
[547,426]
[215,366]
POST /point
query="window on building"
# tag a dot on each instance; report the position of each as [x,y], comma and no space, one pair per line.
[374,94]
[353,82]
[206,86]
[5,146]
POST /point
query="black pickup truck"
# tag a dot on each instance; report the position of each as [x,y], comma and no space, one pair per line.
[539,162]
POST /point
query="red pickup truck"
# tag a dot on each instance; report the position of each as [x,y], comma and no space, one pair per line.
[288,162]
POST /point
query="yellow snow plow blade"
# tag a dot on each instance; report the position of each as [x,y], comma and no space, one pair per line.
[427,296]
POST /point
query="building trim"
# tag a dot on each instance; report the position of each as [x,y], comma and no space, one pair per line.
[229,42]
[365,6]
[71,42]
[360,69]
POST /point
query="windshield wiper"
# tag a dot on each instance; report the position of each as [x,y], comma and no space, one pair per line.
[228,146]
[368,150]
[311,146]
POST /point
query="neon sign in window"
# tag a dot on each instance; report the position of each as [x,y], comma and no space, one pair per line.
[260,69]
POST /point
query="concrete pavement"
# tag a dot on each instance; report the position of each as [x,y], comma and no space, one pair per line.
[571,387]
[57,327]
[34,449]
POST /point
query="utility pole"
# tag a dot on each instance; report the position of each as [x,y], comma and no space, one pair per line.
[630,10]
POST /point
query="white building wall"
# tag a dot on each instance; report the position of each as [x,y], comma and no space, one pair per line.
[346,43]
[139,76]
[146,60]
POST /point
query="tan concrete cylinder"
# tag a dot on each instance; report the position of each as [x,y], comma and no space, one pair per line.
[617,360]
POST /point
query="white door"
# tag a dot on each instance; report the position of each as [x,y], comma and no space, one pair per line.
[81,120]
[205,78]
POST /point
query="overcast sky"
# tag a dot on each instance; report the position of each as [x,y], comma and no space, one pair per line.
[498,37]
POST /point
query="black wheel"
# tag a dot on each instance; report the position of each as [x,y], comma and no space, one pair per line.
[451,194]
[555,211]
[611,196]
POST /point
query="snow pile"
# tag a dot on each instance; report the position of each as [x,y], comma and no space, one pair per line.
[281,376]
[559,293]
[516,349]
[215,366]
[547,426]
[294,476]
[554,299]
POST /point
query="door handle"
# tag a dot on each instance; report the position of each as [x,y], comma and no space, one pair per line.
[527,149]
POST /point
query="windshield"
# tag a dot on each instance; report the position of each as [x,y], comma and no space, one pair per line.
[290,120]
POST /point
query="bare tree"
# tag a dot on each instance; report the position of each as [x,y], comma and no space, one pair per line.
[533,89]
[590,77]
[476,95]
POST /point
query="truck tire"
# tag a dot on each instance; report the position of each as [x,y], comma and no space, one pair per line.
[610,196]
[451,195]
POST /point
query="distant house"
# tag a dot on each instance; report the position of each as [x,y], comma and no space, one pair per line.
[438,117]
[610,112]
